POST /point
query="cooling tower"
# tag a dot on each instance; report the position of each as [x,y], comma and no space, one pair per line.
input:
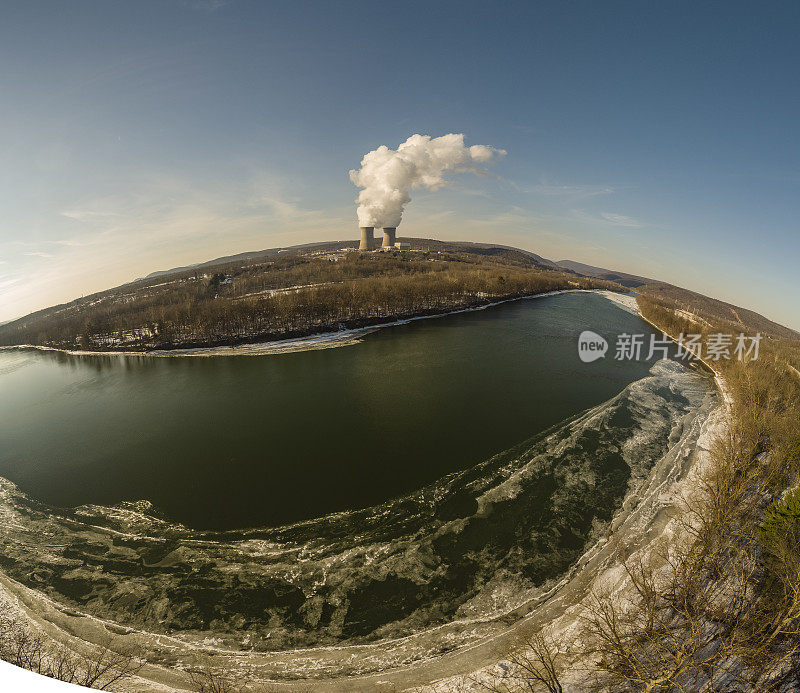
[367,238]
[389,236]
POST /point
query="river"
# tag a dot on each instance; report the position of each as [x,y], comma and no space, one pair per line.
[230,442]
[439,472]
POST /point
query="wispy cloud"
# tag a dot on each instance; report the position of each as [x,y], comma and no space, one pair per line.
[87,214]
[621,220]
[74,242]
[157,222]
[166,209]
[604,219]
[206,5]
[437,217]
[570,190]
[548,188]
[513,215]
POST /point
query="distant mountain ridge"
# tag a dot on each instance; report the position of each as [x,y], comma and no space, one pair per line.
[631,280]
[290,292]
[736,316]
[687,299]
[249,255]
[258,254]
[538,258]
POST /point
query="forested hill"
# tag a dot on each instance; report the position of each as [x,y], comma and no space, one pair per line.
[281,293]
[687,301]
[733,317]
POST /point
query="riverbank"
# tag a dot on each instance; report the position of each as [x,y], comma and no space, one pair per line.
[290,296]
[324,340]
[661,526]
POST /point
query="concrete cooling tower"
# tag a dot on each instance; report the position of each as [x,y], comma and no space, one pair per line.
[367,238]
[389,236]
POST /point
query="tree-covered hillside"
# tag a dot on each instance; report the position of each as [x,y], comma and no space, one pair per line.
[292,292]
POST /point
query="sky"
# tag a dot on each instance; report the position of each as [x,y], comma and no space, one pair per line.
[658,139]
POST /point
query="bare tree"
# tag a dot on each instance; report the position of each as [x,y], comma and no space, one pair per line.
[206,677]
[533,664]
[99,666]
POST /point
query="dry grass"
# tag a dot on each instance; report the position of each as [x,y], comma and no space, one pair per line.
[723,610]
[718,610]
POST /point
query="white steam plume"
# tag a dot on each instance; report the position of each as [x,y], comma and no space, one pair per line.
[387,175]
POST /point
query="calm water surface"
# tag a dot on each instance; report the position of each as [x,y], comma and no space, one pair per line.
[227,442]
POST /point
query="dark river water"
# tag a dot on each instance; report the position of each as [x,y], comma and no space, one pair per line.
[234,441]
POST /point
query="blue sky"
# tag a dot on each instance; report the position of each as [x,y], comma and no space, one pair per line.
[655,138]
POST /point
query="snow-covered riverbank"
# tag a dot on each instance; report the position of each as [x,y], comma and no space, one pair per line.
[324,340]
[656,525]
